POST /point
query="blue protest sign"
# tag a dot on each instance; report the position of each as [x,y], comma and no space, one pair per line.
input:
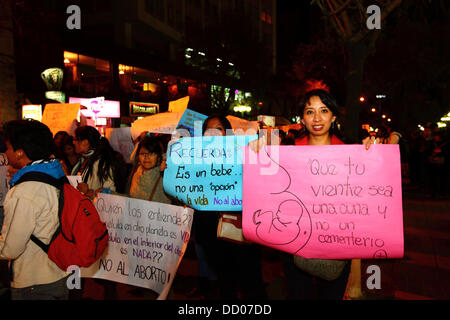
[205,173]
[191,120]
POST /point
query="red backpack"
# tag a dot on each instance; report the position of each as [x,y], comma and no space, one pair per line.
[81,236]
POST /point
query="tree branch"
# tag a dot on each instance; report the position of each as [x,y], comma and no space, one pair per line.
[338,23]
[338,10]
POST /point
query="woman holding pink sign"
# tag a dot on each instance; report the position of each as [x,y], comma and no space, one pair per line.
[319,111]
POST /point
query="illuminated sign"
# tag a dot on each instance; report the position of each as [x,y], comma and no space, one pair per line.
[53,78]
[98,107]
[32,111]
[58,96]
[143,108]
[101,122]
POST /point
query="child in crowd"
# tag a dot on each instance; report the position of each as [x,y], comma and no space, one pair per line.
[146,181]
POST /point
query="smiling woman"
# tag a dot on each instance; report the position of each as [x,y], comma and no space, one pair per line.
[319,112]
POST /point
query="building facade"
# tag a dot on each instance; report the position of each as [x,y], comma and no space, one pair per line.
[145,51]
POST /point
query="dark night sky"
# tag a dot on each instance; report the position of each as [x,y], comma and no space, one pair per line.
[293,23]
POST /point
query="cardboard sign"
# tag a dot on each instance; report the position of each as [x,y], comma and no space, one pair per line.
[179,105]
[147,241]
[242,126]
[268,121]
[327,202]
[4,187]
[61,117]
[205,173]
[192,120]
[165,122]
[120,140]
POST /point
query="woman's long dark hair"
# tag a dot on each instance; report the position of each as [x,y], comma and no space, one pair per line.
[107,156]
[331,104]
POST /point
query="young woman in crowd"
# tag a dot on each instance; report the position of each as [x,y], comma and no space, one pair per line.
[146,178]
[228,266]
[69,157]
[99,165]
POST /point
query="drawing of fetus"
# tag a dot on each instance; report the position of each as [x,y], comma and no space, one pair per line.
[288,224]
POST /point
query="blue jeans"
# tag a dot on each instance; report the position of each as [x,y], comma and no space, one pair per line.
[51,291]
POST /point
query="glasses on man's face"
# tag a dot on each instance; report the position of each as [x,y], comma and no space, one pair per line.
[146,154]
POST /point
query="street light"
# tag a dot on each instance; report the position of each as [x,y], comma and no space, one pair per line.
[362,99]
[389,120]
[383,116]
[242,109]
[373,109]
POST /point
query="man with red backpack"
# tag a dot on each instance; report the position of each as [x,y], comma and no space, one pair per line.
[31,208]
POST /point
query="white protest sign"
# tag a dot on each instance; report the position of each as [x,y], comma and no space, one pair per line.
[147,241]
[3,177]
[164,122]
[120,140]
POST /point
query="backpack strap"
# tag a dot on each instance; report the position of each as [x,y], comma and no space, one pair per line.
[43,177]
[57,183]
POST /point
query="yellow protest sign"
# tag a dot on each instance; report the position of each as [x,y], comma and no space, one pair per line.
[179,105]
[61,117]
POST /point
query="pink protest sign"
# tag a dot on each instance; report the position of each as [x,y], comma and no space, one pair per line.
[325,202]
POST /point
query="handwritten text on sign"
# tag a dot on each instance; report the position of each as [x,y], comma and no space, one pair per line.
[330,202]
[205,173]
[147,241]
